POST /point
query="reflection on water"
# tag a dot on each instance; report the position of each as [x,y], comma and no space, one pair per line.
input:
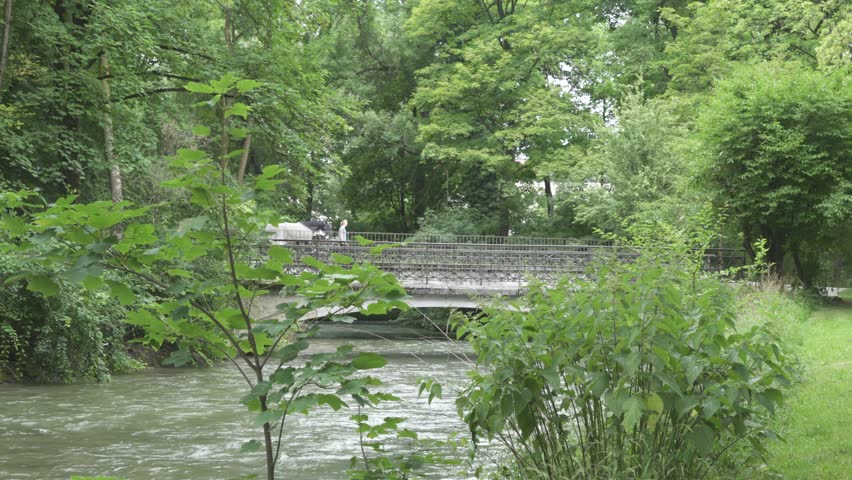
[188,423]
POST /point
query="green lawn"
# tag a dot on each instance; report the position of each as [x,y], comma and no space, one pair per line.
[817,421]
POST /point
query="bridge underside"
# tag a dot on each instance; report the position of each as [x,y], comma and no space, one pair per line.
[265,306]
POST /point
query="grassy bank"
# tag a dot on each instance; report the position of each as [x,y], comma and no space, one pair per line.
[818,417]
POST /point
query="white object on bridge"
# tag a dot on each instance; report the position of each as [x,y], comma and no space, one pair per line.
[289,231]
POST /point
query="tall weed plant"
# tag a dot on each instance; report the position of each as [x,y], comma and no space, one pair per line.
[636,372]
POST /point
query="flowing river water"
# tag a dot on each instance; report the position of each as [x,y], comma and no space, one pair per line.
[188,423]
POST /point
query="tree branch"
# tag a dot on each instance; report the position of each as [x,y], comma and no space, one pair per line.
[148,93]
[157,74]
[185,52]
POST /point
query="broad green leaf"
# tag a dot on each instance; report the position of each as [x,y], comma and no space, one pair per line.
[247,84]
[283,376]
[654,404]
[122,292]
[363,241]
[201,130]
[93,283]
[224,83]
[670,382]
[239,109]
[332,401]
[341,259]
[13,224]
[435,392]
[238,133]
[179,272]
[302,404]
[632,413]
[178,358]
[189,224]
[251,446]
[281,254]
[701,437]
[136,234]
[630,362]
[42,284]
[291,351]
[196,87]
[368,360]
[375,308]
[190,155]
[269,416]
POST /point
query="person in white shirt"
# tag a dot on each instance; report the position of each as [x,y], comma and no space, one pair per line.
[341,232]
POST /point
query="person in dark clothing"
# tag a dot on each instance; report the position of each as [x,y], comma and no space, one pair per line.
[319,227]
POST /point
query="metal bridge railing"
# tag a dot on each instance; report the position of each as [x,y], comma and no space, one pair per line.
[484,262]
[475,239]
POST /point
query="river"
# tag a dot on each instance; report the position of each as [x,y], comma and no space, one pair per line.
[188,424]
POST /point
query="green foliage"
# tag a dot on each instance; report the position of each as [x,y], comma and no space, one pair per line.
[457,221]
[781,163]
[636,373]
[390,451]
[493,113]
[713,37]
[76,333]
[151,269]
[643,169]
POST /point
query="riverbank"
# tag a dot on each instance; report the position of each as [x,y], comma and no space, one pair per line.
[818,417]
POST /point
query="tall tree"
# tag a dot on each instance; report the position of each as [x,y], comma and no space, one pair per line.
[781,160]
[492,100]
[4,47]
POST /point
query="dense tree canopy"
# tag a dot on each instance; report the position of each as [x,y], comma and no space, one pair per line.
[782,157]
[549,117]
[560,118]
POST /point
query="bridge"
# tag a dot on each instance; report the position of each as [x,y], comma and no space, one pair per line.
[445,270]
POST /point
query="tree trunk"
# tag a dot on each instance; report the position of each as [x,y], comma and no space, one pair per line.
[309,184]
[267,439]
[503,215]
[224,148]
[775,243]
[69,159]
[548,195]
[402,218]
[309,202]
[241,171]
[804,277]
[836,269]
[420,197]
[4,49]
[228,37]
[748,243]
[115,186]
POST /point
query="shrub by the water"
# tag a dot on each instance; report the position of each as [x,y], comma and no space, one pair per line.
[637,373]
[74,334]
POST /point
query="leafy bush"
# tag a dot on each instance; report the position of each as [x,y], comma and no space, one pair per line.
[457,221]
[392,452]
[76,333]
[638,372]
